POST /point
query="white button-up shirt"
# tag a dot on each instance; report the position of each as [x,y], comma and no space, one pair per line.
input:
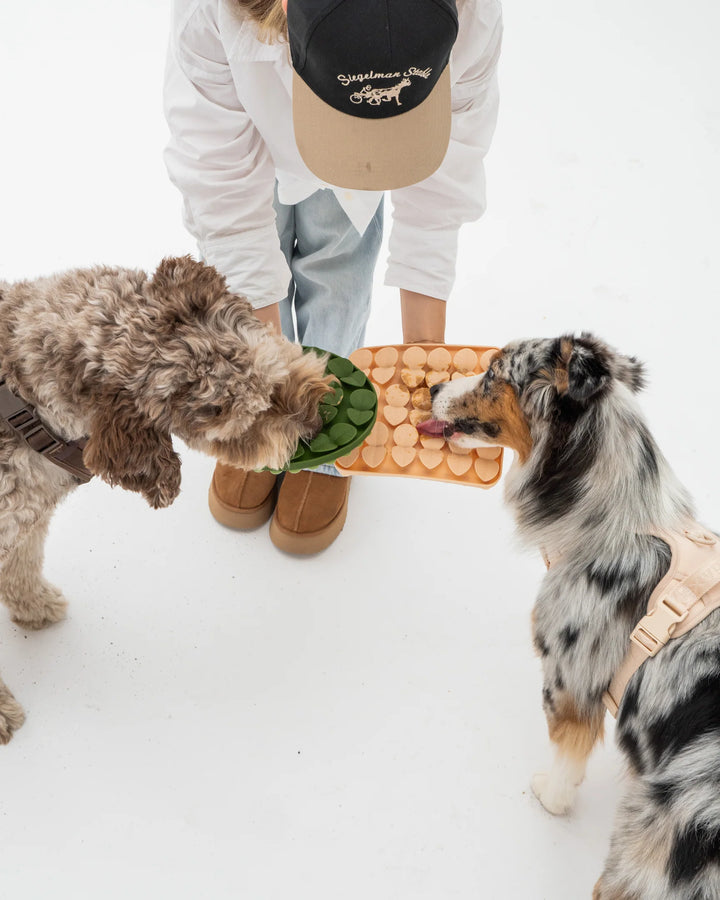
[228,103]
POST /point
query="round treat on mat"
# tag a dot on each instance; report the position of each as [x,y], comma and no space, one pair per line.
[465,360]
[385,357]
[405,435]
[414,357]
[439,358]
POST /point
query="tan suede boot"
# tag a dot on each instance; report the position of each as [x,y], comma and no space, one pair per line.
[242,499]
[310,512]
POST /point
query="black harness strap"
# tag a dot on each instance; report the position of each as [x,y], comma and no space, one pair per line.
[22,418]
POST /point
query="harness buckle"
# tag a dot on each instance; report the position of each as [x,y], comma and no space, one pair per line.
[655,629]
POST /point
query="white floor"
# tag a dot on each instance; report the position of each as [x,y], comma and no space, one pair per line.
[217,720]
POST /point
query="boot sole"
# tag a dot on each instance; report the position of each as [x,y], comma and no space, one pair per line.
[240,519]
[306,544]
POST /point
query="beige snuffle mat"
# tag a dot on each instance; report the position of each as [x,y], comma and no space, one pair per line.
[402,375]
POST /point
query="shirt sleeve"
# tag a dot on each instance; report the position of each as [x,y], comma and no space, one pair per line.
[427,216]
[219,161]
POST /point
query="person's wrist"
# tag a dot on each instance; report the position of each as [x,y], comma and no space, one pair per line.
[423,318]
[270,315]
[427,339]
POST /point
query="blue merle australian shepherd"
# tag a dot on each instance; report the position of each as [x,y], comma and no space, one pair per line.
[591,489]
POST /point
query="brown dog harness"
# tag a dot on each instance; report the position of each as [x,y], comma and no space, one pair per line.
[23,420]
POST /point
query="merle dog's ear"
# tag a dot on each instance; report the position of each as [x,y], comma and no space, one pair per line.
[588,369]
[631,372]
[126,450]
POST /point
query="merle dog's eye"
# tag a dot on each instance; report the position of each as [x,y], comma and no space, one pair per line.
[490,374]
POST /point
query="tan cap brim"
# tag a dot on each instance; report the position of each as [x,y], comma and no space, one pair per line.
[372,154]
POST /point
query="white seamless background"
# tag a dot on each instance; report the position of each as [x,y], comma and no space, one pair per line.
[217,720]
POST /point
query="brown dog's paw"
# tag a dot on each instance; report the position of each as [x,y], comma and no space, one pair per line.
[45,607]
[11,715]
[164,491]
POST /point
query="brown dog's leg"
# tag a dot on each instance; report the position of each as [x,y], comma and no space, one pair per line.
[33,602]
[11,714]
[574,736]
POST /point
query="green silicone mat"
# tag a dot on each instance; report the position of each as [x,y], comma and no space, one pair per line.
[348,411]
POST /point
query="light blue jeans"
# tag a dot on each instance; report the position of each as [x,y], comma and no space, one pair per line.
[332,266]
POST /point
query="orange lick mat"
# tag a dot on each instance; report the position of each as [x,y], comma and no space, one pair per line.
[402,375]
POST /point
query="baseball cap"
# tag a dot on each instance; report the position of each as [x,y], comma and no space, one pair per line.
[371,88]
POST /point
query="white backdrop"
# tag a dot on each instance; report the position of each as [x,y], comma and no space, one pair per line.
[217,720]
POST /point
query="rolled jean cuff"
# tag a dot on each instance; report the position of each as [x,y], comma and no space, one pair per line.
[327,469]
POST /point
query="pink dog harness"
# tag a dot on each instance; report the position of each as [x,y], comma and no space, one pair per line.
[688,592]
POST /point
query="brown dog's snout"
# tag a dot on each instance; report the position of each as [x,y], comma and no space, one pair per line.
[314,427]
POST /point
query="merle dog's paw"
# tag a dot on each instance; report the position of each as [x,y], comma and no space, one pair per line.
[557,799]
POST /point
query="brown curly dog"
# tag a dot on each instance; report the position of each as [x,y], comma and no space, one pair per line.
[127,360]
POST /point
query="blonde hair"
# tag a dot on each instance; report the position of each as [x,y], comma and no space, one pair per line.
[269,18]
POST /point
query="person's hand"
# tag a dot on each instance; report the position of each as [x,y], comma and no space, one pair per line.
[423,318]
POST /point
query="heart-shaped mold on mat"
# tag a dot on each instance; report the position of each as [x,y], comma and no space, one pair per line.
[360,416]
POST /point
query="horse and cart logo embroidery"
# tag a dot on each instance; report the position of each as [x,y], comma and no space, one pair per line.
[376,96]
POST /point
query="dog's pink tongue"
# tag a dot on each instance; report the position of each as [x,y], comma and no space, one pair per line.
[431,426]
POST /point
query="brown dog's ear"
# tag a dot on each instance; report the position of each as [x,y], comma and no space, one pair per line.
[123,449]
[187,286]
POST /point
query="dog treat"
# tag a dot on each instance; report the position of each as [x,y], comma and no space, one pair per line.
[348,411]
[413,378]
[393,446]
[434,378]
[421,399]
